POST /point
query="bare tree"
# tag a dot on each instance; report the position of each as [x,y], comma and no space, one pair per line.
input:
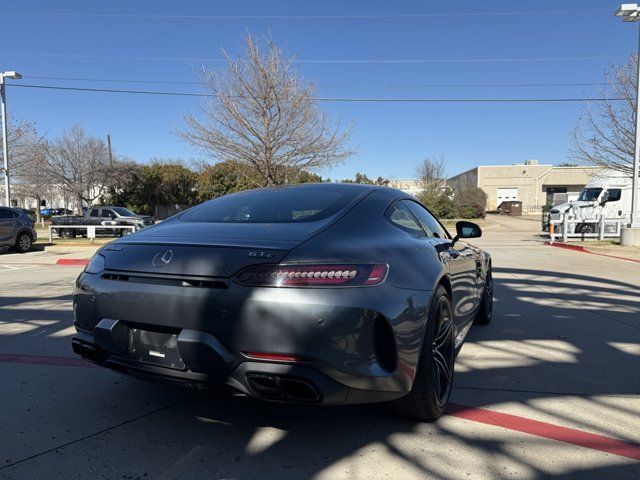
[431,175]
[79,163]
[263,114]
[605,134]
[33,181]
[21,137]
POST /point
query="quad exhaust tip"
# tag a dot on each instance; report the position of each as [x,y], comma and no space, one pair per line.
[275,387]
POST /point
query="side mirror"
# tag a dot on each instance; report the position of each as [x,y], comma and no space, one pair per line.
[605,198]
[467,230]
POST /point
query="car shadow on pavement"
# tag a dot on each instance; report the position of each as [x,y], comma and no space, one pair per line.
[555,338]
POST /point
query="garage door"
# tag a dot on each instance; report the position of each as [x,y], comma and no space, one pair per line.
[507,194]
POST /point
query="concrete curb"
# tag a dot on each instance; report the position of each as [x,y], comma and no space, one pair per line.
[579,248]
[72,261]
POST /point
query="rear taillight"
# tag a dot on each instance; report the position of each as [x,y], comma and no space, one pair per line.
[344,275]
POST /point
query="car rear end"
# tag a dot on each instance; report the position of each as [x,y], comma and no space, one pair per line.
[234,304]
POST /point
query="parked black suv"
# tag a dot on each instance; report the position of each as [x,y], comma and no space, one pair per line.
[16,229]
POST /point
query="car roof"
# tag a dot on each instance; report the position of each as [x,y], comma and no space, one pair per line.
[340,185]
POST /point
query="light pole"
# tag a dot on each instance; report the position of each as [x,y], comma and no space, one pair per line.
[631,13]
[5,141]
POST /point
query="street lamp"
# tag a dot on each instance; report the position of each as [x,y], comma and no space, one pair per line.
[5,146]
[631,13]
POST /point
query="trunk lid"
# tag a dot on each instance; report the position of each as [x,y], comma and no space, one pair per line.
[205,249]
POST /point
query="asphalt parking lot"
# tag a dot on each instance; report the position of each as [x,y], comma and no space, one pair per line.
[550,389]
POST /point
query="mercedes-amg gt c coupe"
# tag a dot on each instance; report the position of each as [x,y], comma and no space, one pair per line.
[316,293]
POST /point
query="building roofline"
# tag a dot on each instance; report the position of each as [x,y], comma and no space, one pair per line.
[518,165]
[462,173]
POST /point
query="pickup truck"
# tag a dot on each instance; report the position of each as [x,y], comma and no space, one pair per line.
[107,215]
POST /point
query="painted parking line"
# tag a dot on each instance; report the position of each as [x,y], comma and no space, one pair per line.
[15,267]
[529,426]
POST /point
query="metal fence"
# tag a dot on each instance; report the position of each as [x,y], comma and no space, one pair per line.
[602,228]
[532,209]
[91,230]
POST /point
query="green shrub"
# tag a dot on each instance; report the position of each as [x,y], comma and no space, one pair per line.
[470,202]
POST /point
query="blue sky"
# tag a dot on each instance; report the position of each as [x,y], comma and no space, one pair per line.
[391,138]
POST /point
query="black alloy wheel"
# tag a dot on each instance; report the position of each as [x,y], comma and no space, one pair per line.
[434,376]
[485,312]
[442,351]
[23,242]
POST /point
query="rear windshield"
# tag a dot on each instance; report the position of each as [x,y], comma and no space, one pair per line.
[274,205]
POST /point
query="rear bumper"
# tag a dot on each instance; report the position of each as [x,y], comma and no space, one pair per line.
[278,382]
[349,336]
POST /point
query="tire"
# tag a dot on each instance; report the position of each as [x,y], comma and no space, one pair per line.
[485,312]
[434,377]
[67,233]
[24,242]
[585,228]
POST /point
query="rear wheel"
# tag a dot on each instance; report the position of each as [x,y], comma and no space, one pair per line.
[23,242]
[585,228]
[434,377]
[483,317]
[67,233]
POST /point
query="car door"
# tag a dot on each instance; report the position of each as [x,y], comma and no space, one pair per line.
[7,226]
[108,215]
[461,259]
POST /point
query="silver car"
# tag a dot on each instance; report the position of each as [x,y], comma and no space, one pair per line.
[16,229]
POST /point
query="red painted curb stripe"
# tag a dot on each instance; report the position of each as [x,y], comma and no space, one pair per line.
[44,360]
[479,415]
[72,261]
[546,430]
[579,248]
[567,246]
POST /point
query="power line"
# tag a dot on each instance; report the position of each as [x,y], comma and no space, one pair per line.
[423,85]
[334,99]
[114,80]
[308,17]
[340,61]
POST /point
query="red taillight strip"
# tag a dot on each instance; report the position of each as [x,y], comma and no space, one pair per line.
[304,275]
[275,357]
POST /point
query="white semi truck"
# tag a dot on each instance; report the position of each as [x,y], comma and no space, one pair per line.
[607,195]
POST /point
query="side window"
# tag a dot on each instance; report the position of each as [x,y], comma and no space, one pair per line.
[4,214]
[427,221]
[399,215]
[614,194]
[94,213]
[108,213]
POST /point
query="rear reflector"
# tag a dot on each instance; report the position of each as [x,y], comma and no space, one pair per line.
[275,357]
[313,275]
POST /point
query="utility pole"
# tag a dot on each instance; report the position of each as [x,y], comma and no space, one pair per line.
[110,154]
[630,12]
[5,139]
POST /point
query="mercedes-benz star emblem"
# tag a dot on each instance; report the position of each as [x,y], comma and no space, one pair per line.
[162,258]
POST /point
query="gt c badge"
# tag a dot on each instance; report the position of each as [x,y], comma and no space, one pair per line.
[162,258]
[260,255]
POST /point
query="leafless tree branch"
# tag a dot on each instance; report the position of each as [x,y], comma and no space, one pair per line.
[605,135]
[264,115]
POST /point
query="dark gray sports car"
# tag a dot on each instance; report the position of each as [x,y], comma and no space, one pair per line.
[317,293]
